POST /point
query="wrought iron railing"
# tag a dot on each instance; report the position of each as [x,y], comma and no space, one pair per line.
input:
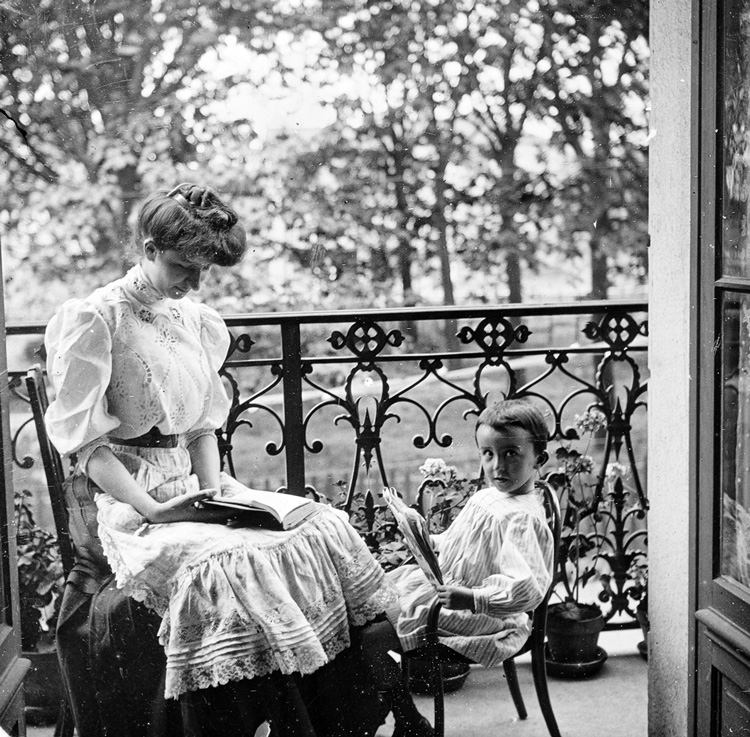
[344,403]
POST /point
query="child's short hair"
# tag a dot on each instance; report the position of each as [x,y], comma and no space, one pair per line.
[517,413]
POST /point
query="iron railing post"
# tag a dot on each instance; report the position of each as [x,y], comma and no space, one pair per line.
[294,433]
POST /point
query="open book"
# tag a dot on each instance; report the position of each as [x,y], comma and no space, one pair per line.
[287,510]
[416,536]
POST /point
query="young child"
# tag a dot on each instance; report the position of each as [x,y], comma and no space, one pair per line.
[496,557]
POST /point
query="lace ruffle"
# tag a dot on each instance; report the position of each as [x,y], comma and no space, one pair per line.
[254,665]
[243,602]
[125,578]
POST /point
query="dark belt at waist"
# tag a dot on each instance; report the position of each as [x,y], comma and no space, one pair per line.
[152,439]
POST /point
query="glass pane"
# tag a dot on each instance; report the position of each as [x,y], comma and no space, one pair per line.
[735,127]
[735,441]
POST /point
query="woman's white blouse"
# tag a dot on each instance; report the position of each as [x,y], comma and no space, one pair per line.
[126,359]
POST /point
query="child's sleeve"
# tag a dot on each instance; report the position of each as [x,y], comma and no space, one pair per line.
[525,559]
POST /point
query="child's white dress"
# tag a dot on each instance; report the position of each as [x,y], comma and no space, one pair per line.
[236,602]
[499,545]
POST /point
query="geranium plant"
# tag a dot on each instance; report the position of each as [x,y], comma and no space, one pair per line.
[581,541]
[441,494]
[40,575]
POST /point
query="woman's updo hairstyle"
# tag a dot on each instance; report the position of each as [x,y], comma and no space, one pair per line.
[192,221]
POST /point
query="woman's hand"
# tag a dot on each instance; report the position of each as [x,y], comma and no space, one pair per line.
[456,597]
[187,508]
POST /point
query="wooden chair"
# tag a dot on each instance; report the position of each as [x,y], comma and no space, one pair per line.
[96,647]
[55,477]
[437,654]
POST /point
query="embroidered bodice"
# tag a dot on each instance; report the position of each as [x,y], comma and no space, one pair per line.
[126,359]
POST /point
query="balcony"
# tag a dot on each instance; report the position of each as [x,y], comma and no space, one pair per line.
[340,404]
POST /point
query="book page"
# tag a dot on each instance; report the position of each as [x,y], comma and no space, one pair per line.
[282,504]
[288,509]
[416,536]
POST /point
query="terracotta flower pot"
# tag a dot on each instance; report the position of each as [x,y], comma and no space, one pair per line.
[641,616]
[574,640]
[454,675]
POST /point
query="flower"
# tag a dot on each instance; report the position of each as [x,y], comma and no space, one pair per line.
[441,495]
[574,463]
[437,470]
[616,471]
[591,421]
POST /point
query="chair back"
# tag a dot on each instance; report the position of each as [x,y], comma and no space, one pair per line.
[554,520]
[52,463]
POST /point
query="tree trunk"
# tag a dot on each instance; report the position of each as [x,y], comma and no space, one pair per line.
[440,222]
[405,257]
[513,275]
[599,270]
[130,188]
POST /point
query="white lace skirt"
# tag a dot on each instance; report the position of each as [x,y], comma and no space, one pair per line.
[238,602]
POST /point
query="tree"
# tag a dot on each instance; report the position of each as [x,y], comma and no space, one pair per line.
[597,78]
[470,136]
[474,91]
[100,100]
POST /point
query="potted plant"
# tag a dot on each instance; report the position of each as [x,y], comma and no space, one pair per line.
[639,590]
[574,624]
[40,581]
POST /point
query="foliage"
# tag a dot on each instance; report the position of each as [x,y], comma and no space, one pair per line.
[638,573]
[102,102]
[440,497]
[40,574]
[468,138]
[596,73]
[584,521]
[521,114]
[443,493]
[579,545]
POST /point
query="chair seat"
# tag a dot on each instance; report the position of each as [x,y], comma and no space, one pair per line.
[445,654]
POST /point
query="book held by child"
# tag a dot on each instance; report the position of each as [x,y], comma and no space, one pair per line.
[416,535]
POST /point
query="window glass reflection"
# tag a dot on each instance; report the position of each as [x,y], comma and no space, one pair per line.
[735,251]
[735,520]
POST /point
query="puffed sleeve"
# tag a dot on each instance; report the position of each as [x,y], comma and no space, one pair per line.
[526,564]
[214,336]
[79,365]
[215,342]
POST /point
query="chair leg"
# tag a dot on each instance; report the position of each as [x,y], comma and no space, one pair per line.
[511,676]
[64,725]
[539,671]
[436,677]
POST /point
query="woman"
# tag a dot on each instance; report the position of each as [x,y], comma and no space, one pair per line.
[138,399]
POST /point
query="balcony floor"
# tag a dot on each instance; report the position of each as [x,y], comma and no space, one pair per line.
[612,703]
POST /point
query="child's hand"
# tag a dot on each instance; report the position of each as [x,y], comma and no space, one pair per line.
[455,597]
